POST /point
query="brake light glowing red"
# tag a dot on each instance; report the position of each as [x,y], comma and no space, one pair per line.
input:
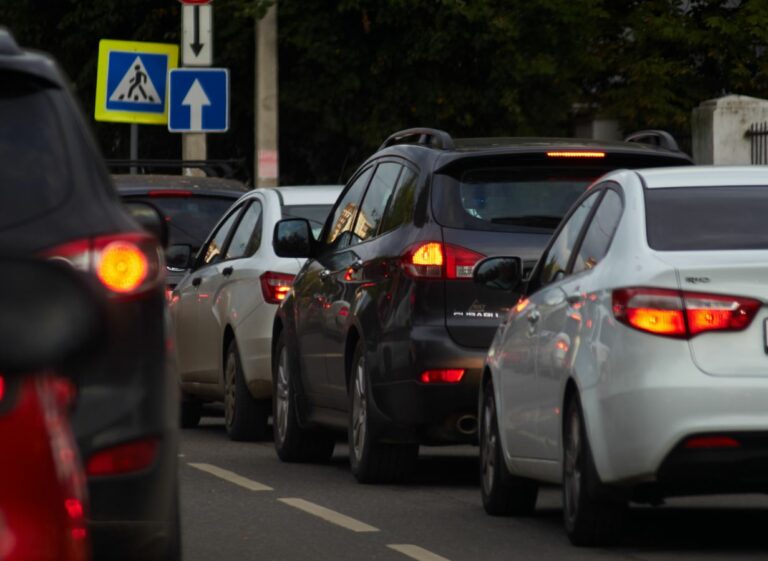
[444,375]
[708,442]
[170,193]
[438,260]
[123,458]
[275,286]
[2,388]
[576,154]
[675,313]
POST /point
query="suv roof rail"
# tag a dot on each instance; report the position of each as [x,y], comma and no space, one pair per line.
[434,138]
[654,137]
[8,45]
[227,169]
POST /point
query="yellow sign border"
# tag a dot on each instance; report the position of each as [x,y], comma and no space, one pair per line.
[106,46]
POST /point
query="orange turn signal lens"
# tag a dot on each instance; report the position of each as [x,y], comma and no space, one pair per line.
[428,254]
[122,267]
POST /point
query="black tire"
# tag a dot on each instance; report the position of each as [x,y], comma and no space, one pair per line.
[292,442]
[593,513]
[372,461]
[503,493]
[190,412]
[245,418]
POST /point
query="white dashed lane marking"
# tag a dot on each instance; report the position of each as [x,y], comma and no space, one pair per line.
[416,552]
[329,515]
[232,477]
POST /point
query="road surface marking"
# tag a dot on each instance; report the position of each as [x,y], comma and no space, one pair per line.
[329,515]
[416,552]
[232,477]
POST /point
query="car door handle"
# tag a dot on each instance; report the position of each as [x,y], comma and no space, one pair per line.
[227,271]
[325,274]
[196,281]
[356,265]
[533,316]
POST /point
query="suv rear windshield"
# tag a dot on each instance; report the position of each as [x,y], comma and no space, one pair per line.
[707,218]
[509,199]
[34,174]
[316,214]
[189,219]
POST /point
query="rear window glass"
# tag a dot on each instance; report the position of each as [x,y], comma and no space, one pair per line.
[316,214]
[189,219]
[509,199]
[707,218]
[34,176]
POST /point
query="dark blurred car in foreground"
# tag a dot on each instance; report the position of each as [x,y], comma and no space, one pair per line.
[384,333]
[50,322]
[57,201]
[191,206]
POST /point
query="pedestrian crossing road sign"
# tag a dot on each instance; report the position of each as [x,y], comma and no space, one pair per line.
[198,100]
[131,85]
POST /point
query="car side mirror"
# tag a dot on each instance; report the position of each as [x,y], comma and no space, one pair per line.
[150,219]
[178,257]
[499,273]
[293,238]
[50,315]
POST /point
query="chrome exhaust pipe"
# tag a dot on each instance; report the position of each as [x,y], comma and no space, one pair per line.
[467,424]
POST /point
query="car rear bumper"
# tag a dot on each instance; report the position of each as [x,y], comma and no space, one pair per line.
[434,412]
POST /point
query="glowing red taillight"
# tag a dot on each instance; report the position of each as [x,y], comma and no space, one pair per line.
[275,286]
[575,154]
[710,442]
[443,375]
[437,260]
[125,264]
[676,313]
[2,387]
[123,458]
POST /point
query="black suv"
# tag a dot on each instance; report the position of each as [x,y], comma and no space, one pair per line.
[385,333]
[57,201]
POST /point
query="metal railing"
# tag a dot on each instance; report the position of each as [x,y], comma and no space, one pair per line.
[758,137]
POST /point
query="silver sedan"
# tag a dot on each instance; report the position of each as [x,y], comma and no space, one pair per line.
[635,364]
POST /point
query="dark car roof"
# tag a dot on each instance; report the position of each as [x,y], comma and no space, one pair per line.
[15,59]
[140,184]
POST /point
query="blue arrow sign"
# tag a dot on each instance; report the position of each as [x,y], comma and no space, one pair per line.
[198,100]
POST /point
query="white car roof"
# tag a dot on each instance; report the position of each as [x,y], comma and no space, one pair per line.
[309,194]
[704,176]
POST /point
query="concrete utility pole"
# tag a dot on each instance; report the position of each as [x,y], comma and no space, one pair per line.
[266,154]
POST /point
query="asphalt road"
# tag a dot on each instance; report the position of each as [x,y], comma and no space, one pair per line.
[258,508]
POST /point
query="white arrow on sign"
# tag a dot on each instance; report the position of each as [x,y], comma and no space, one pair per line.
[196,100]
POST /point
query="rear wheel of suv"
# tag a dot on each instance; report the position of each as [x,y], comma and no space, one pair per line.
[245,418]
[503,493]
[292,442]
[593,515]
[372,461]
[191,410]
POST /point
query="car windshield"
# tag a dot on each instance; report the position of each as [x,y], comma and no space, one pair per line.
[316,214]
[707,218]
[190,219]
[509,199]
[33,166]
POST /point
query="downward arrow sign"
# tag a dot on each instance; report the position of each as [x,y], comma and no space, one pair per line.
[197,46]
[196,100]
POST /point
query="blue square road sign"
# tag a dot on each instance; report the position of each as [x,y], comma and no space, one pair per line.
[198,100]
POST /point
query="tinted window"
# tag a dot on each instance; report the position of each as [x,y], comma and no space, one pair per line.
[400,209]
[316,214]
[213,252]
[247,238]
[34,173]
[509,199]
[707,218]
[345,212]
[189,219]
[559,253]
[599,233]
[375,202]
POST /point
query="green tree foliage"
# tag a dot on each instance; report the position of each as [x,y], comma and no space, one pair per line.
[354,71]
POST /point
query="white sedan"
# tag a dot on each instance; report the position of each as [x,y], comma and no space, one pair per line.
[224,308]
[635,364]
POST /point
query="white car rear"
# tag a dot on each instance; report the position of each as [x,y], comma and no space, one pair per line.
[635,367]
[224,308]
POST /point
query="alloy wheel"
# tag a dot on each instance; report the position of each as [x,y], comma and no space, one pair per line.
[282,397]
[230,371]
[359,410]
[488,453]
[572,464]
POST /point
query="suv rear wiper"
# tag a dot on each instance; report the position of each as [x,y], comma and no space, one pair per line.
[543,221]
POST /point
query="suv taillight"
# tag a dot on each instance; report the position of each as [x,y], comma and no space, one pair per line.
[436,260]
[676,313]
[126,264]
[275,286]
